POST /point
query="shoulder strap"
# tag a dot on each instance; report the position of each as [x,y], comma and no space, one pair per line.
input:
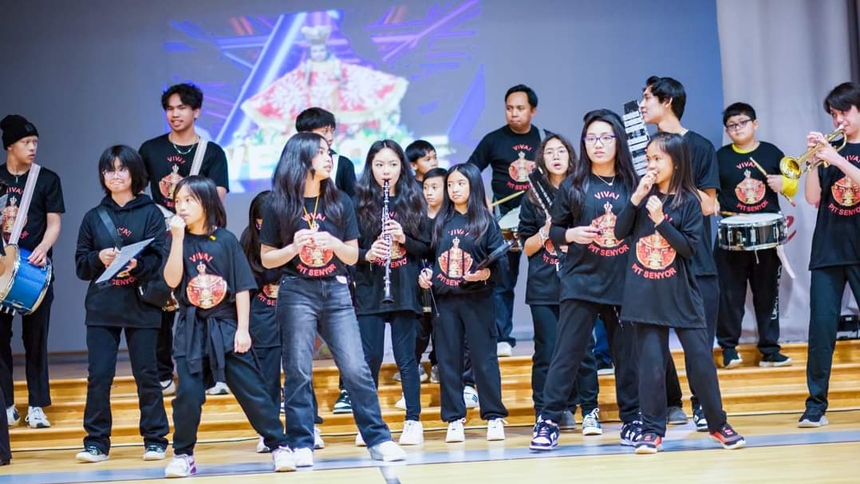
[111,228]
[24,206]
[198,156]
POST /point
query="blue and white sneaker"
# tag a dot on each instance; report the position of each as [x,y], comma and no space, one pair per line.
[544,436]
[631,432]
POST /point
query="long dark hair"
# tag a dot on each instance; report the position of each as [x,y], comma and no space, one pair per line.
[682,178]
[541,174]
[478,216]
[288,185]
[409,205]
[204,191]
[624,171]
[250,239]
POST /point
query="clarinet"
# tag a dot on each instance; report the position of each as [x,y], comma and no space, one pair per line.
[386,298]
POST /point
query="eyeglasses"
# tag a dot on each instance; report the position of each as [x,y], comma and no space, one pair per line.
[739,125]
[122,172]
[550,153]
[606,139]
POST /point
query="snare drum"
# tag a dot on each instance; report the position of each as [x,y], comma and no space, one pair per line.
[752,232]
[510,225]
[22,285]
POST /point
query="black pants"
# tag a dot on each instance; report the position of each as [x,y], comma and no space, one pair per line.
[503,296]
[5,446]
[269,360]
[403,332]
[164,349]
[572,340]
[34,334]
[102,345]
[425,335]
[653,358]
[762,270]
[471,316]
[586,387]
[247,384]
[825,296]
[710,289]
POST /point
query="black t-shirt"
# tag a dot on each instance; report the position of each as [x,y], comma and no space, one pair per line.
[344,179]
[166,165]
[706,175]
[743,188]
[47,198]
[836,240]
[511,156]
[404,268]
[660,287]
[543,286]
[593,272]
[459,251]
[116,302]
[312,262]
[264,329]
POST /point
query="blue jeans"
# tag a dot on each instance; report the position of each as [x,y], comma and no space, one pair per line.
[601,345]
[307,307]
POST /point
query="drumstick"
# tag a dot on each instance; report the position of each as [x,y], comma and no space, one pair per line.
[508,198]
[790,200]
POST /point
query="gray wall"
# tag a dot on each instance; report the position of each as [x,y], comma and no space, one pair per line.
[91,75]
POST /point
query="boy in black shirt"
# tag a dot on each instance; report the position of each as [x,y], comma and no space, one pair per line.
[510,151]
[40,232]
[745,190]
[422,156]
[663,102]
[835,259]
[322,122]
[168,159]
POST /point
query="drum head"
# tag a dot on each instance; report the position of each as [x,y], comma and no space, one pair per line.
[511,219]
[753,219]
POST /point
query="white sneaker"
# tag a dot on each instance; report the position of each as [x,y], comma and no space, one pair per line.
[470,396]
[304,457]
[154,452]
[36,418]
[387,451]
[359,440]
[396,377]
[319,443]
[261,446]
[422,374]
[91,454]
[181,466]
[168,387]
[496,429]
[591,423]
[455,431]
[504,349]
[413,433]
[220,388]
[434,374]
[401,403]
[283,459]
[12,416]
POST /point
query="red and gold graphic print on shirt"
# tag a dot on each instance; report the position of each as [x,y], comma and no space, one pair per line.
[397,253]
[167,185]
[455,262]
[605,224]
[206,290]
[9,215]
[520,169]
[750,191]
[845,192]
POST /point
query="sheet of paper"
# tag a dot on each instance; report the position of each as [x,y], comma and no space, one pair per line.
[122,259]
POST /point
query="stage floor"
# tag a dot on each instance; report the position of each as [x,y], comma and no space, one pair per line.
[777,451]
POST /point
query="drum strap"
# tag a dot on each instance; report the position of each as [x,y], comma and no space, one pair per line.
[24,206]
[111,228]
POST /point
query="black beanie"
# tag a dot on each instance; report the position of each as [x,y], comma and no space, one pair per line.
[16,127]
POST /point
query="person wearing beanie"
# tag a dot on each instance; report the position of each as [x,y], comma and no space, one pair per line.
[41,230]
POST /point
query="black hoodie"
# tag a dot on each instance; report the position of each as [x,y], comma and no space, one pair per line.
[116,302]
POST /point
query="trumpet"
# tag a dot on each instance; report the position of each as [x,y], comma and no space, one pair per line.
[794,168]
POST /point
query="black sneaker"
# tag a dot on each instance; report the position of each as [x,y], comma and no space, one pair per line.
[631,432]
[728,438]
[544,435]
[343,404]
[700,420]
[731,358]
[774,360]
[676,416]
[649,443]
[605,369]
[568,421]
[812,419]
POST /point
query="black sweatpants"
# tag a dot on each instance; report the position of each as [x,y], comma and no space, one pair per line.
[586,387]
[762,270]
[5,446]
[653,358]
[247,385]
[825,296]
[102,345]
[470,316]
[164,349]
[573,338]
[710,289]
[34,334]
[425,335]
